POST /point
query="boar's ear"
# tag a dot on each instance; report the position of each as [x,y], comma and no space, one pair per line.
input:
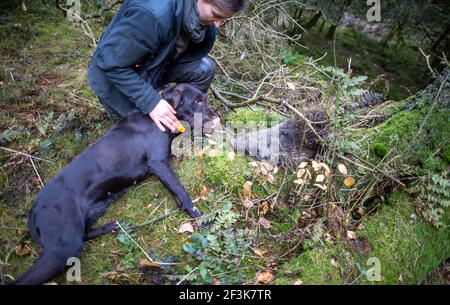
[174,98]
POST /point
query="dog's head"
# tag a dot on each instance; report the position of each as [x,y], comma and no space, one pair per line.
[190,102]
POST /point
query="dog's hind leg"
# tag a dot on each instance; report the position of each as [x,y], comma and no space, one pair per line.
[52,260]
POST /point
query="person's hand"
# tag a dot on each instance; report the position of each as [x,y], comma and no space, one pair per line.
[164,114]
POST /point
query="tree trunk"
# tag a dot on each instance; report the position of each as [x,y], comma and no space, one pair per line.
[332,31]
[313,20]
[322,26]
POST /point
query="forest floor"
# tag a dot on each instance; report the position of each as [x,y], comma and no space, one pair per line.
[49,111]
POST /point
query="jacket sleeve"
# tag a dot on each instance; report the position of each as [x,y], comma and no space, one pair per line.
[135,36]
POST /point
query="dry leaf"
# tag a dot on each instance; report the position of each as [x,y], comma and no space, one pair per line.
[291,85]
[146,263]
[22,250]
[247,189]
[253,164]
[342,169]
[271,179]
[265,207]
[315,165]
[264,277]
[202,192]
[326,168]
[351,234]
[231,155]
[298,282]
[267,165]
[308,175]
[260,251]
[299,181]
[248,203]
[334,263]
[301,172]
[263,170]
[186,227]
[216,281]
[265,223]
[320,178]
[349,181]
[303,165]
[321,186]
[361,227]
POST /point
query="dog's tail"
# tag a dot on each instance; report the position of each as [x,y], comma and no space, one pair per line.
[47,266]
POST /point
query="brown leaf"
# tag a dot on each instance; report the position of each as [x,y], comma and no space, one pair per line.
[265,207]
[216,281]
[264,277]
[298,282]
[351,234]
[301,172]
[260,251]
[146,263]
[22,250]
[265,223]
[326,168]
[247,192]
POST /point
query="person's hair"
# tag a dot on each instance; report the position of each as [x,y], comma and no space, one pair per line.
[228,6]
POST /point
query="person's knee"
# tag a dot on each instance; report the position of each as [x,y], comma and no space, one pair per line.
[207,69]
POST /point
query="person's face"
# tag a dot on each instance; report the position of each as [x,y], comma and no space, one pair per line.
[210,14]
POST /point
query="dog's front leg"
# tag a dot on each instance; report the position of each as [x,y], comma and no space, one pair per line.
[164,172]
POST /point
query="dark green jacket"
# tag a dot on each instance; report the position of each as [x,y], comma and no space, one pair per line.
[134,49]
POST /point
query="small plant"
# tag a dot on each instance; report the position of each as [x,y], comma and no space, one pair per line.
[13,133]
[219,250]
[433,198]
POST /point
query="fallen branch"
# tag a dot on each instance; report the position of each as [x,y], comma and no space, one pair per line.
[24,154]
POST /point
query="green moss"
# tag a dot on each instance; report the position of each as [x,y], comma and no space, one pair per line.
[247,115]
[311,267]
[229,174]
[407,134]
[445,153]
[408,248]
[380,149]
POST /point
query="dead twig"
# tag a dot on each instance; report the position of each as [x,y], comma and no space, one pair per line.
[24,154]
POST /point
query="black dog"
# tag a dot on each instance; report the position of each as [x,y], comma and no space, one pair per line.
[65,210]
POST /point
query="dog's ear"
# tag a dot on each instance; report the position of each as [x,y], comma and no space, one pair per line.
[174,98]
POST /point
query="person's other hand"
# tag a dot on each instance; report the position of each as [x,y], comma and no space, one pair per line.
[164,114]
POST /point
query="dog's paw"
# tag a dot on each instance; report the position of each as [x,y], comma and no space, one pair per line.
[194,213]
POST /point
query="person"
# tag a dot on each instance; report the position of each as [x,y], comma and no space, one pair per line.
[150,43]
